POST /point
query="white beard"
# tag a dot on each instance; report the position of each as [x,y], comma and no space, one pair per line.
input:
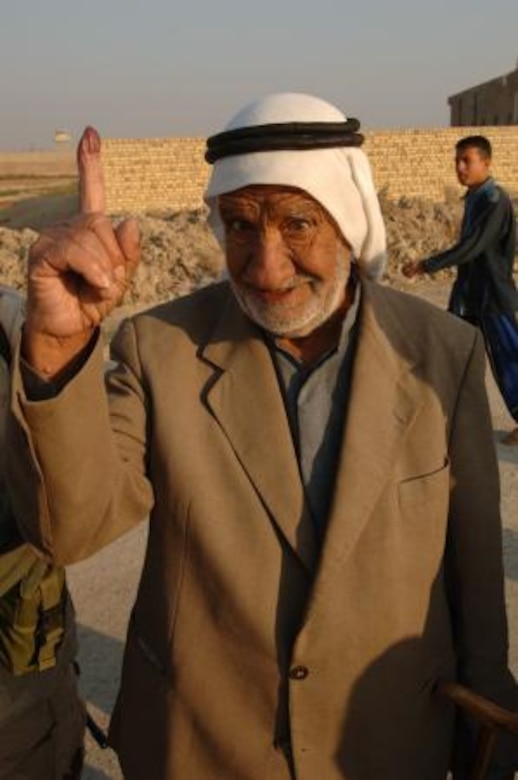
[279,319]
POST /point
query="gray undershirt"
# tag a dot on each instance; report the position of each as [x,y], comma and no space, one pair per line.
[316,397]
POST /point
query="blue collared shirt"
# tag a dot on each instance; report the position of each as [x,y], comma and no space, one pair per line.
[316,397]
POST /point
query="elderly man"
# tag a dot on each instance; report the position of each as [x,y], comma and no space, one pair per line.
[315,454]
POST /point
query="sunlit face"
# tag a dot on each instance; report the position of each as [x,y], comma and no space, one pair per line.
[287,261]
[471,166]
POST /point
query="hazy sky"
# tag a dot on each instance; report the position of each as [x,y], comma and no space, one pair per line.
[166,67]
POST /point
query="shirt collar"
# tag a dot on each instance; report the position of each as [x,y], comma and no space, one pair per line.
[488,184]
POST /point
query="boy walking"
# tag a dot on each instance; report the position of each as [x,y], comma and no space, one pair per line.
[484,292]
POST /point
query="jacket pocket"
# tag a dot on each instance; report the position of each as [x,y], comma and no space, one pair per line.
[426,488]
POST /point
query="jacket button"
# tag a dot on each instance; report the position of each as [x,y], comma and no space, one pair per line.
[298,672]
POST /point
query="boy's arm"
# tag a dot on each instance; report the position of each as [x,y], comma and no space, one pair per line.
[486,230]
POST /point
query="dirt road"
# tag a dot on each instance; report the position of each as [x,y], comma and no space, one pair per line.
[104,588]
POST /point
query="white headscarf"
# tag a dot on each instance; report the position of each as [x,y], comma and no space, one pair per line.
[340,178]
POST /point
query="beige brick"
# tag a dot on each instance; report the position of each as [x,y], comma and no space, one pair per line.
[170,173]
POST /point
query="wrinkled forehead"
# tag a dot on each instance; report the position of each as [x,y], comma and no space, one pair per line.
[272,200]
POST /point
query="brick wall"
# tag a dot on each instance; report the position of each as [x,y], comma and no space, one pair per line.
[156,173]
[420,162]
[170,173]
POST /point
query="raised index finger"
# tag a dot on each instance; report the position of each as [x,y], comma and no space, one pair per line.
[91,174]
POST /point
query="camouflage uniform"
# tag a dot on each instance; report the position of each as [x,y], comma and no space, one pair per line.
[42,717]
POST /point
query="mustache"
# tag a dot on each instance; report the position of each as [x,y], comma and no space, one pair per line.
[290,284]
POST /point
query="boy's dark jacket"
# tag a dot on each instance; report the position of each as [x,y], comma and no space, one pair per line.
[484,254]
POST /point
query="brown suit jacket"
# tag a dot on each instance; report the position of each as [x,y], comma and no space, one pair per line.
[247,643]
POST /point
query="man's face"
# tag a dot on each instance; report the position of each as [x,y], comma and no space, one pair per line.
[472,166]
[287,261]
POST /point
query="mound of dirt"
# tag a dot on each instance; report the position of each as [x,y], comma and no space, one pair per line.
[417,228]
[180,253]
[14,248]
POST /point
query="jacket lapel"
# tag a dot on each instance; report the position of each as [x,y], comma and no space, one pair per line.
[383,400]
[244,397]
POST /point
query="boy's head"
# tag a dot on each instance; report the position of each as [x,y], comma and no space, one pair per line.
[472,160]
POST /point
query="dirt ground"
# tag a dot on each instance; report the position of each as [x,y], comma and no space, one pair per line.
[36,181]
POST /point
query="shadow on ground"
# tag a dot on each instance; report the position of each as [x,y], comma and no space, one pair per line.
[89,773]
[511,553]
[100,661]
[505,453]
[39,212]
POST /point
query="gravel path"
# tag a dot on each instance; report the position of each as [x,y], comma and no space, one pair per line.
[104,588]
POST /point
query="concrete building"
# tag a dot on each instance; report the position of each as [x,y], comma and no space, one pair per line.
[493,103]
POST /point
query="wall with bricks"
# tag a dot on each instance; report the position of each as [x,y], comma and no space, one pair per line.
[421,161]
[170,173]
[154,174]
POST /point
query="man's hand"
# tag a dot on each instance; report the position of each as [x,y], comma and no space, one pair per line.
[413,269]
[78,271]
